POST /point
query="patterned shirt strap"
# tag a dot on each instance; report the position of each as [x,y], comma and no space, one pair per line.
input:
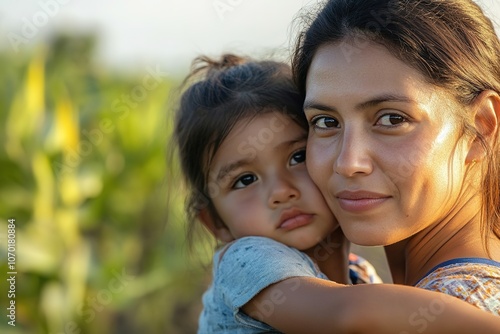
[361,271]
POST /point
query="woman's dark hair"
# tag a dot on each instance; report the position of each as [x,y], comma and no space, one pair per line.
[451,42]
[221,93]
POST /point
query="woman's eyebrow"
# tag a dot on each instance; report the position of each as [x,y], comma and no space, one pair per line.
[317,106]
[363,105]
[384,98]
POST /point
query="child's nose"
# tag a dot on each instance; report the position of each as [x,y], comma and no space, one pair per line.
[282,191]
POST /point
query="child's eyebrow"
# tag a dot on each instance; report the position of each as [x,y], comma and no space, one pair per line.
[299,139]
[228,168]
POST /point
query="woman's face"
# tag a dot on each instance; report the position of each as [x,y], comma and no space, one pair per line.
[384,146]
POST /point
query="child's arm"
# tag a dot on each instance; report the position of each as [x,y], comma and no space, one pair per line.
[310,305]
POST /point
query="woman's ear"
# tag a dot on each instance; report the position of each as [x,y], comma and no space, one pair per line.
[217,228]
[486,108]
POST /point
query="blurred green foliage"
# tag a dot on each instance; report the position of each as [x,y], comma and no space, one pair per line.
[84,173]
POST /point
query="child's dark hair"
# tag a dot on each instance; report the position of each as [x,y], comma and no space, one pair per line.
[220,94]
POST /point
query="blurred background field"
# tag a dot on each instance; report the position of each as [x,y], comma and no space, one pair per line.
[84,169]
[86,173]
[83,173]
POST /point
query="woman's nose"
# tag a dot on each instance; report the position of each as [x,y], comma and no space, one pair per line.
[353,155]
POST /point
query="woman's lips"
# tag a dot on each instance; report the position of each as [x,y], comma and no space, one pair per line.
[359,201]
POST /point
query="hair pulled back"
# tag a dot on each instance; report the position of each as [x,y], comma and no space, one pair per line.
[451,42]
[220,93]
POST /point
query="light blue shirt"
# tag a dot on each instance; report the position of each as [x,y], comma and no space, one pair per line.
[246,267]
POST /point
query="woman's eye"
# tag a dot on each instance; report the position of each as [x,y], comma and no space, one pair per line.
[324,122]
[298,157]
[244,181]
[391,120]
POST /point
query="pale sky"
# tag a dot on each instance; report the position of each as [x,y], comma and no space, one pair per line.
[168,33]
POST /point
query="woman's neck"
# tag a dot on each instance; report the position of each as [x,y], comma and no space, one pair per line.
[457,235]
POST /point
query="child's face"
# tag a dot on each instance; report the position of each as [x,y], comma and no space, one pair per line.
[260,185]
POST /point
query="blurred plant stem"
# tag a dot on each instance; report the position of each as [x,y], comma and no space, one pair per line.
[84,175]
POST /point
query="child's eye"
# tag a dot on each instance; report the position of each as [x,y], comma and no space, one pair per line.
[244,181]
[391,120]
[325,122]
[298,157]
